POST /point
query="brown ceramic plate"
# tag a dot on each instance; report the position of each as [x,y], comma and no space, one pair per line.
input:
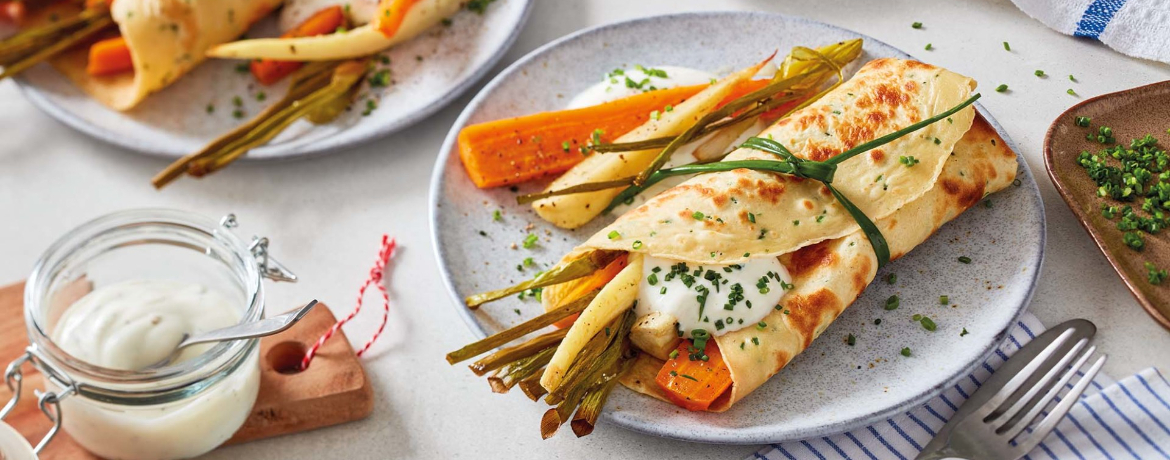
[1131,113]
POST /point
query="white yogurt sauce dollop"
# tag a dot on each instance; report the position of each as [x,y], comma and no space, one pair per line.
[716,298]
[133,324]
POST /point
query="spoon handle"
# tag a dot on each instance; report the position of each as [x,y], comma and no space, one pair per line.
[262,328]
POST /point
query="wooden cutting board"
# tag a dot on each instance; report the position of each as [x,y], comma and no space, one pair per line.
[333,390]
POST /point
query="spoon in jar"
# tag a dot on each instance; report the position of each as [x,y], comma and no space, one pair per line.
[264,327]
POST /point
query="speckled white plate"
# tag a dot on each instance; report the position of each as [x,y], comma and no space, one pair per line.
[428,73]
[831,387]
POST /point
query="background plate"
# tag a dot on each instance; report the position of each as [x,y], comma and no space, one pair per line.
[428,72]
[829,388]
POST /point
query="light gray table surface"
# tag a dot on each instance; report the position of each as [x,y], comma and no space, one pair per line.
[325,217]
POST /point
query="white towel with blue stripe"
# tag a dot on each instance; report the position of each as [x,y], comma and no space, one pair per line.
[1138,28]
[1123,419]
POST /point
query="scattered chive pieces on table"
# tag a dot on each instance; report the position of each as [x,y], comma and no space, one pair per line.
[892,302]
[964,259]
[1001,88]
[944,300]
[906,351]
[892,278]
[928,324]
[1006,46]
[964,332]
[929,46]
[530,241]
[916,25]
[1071,78]
[1039,73]
[1071,92]
[851,340]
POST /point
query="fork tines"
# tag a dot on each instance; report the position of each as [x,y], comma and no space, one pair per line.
[1038,385]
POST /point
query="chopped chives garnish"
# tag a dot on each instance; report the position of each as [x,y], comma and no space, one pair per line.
[530,241]
[892,302]
[613,235]
[892,278]
[928,324]
[497,215]
[673,354]
[565,146]
[1006,46]
[964,332]
[964,259]
[1083,121]
[637,244]
[761,325]
[944,300]
[1039,73]
[851,340]
[1001,88]
[906,351]
[1071,78]
[929,47]
[1071,92]
[916,25]
[698,215]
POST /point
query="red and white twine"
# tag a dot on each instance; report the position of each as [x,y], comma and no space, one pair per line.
[376,275]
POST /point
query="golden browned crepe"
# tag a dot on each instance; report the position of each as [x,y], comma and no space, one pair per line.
[831,274]
[167,38]
[750,214]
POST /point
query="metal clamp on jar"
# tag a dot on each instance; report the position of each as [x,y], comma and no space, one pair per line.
[181,410]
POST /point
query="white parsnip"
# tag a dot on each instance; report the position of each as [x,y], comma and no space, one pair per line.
[614,299]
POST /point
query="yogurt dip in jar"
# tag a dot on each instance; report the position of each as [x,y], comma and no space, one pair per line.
[116,295]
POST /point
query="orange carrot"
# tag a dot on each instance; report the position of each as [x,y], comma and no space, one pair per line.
[90,4]
[390,15]
[579,287]
[694,384]
[268,71]
[518,149]
[13,11]
[109,56]
[515,150]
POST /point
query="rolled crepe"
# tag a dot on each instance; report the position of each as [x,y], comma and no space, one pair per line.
[831,262]
[167,38]
[829,275]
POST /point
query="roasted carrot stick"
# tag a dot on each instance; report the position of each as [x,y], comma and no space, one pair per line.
[109,56]
[90,4]
[390,15]
[580,287]
[515,150]
[268,71]
[13,11]
[693,384]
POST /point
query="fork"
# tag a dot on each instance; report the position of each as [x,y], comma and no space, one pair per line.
[995,421]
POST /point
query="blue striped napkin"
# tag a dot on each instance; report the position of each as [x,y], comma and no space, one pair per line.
[1123,419]
[1138,28]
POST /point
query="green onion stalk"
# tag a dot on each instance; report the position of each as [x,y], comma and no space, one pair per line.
[319,92]
[595,374]
[508,376]
[578,268]
[507,356]
[515,332]
[38,44]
